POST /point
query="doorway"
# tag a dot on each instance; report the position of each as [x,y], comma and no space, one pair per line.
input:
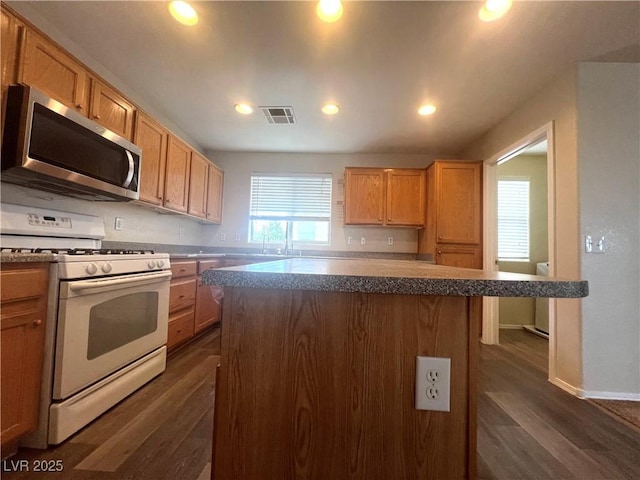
[491,310]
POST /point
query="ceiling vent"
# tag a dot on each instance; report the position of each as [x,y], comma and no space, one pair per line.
[281,115]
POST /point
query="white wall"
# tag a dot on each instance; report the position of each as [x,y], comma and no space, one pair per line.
[557,103]
[139,223]
[238,168]
[609,173]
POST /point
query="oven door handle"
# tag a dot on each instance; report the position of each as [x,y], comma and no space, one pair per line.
[94,286]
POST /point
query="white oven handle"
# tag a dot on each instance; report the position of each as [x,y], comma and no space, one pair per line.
[106,284]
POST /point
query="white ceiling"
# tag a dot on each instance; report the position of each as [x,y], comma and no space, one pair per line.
[379,62]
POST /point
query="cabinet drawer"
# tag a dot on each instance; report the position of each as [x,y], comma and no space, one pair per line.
[209,265]
[183,269]
[180,327]
[182,294]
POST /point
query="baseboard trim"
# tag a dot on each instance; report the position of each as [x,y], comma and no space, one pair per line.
[511,326]
[575,391]
[635,397]
[535,331]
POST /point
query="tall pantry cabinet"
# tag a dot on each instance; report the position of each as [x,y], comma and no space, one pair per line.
[453,224]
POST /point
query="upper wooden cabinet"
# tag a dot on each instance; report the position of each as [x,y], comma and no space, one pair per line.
[453,230]
[406,189]
[364,200]
[24,309]
[176,184]
[378,196]
[47,67]
[458,202]
[214,194]
[111,110]
[198,185]
[8,45]
[152,138]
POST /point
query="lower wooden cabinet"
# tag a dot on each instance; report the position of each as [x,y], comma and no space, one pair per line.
[24,311]
[208,297]
[182,301]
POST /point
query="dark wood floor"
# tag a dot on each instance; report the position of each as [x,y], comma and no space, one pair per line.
[527,428]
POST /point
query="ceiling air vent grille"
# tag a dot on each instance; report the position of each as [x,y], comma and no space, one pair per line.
[279,115]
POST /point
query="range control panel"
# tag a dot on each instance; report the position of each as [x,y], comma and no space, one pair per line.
[49,221]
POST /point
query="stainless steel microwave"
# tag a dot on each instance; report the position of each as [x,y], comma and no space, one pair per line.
[50,147]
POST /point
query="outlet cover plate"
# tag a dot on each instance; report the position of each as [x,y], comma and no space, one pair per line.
[433,384]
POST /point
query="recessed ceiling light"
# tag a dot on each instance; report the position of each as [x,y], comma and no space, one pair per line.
[427,109]
[243,108]
[330,109]
[494,9]
[329,10]
[183,13]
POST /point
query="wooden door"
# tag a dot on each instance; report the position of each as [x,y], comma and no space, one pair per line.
[151,137]
[24,309]
[406,192]
[176,185]
[459,202]
[198,185]
[214,194]
[364,200]
[48,68]
[111,110]
[459,256]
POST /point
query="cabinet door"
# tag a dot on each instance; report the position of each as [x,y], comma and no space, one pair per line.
[180,327]
[176,184]
[24,309]
[364,196]
[459,200]
[48,68]
[151,137]
[214,194]
[207,308]
[8,43]
[459,256]
[198,185]
[111,110]
[406,196]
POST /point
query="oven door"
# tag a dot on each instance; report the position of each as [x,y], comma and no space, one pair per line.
[105,324]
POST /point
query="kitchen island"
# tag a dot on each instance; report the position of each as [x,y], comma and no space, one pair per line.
[318,367]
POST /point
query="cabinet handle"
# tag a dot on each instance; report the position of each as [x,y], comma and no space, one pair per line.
[439,252]
[79,105]
[37,323]
[181,296]
[389,219]
[97,117]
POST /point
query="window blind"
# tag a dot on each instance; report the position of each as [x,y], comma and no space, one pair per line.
[290,197]
[513,219]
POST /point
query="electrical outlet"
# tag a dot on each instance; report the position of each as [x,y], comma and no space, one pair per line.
[349,240]
[223,237]
[433,384]
[237,237]
[118,224]
[181,232]
[390,240]
[363,241]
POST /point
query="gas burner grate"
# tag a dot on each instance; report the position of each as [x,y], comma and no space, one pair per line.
[79,251]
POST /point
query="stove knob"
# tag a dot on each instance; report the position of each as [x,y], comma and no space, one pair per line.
[160,263]
[91,269]
[151,264]
[106,267]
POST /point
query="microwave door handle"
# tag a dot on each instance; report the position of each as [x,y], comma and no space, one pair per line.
[91,286]
[127,181]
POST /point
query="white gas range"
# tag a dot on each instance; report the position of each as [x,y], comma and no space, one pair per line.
[107,317]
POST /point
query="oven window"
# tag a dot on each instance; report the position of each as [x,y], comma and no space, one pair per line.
[120,321]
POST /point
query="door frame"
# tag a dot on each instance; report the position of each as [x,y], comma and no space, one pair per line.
[490,311]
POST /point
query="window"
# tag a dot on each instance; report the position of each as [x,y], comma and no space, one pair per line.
[513,220]
[290,207]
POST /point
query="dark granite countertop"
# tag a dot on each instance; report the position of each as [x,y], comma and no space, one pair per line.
[391,276]
[19,257]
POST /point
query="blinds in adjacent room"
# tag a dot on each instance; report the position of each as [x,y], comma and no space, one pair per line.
[513,220]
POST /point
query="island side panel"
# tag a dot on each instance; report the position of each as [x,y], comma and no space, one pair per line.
[318,385]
